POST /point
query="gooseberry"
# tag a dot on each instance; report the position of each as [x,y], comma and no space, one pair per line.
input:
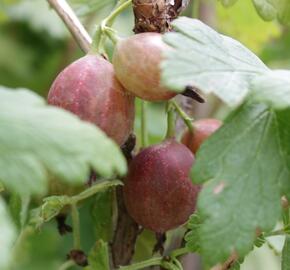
[88,88]
[158,192]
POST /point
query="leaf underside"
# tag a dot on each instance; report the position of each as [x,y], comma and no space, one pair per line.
[209,61]
[246,169]
[39,142]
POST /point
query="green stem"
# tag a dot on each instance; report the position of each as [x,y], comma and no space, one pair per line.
[275,233]
[167,264]
[186,119]
[144,131]
[179,252]
[170,121]
[25,201]
[94,189]
[121,6]
[99,38]
[76,226]
[66,265]
[142,265]
[286,217]
[112,35]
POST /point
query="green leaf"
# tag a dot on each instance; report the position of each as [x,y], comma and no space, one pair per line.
[39,17]
[228,3]
[99,256]
[7,235]
[102,212]
[286,254]
[15,209]
[266,9]
[271,9]
[85,7]
[284,11]
[245,163]
[192,237]
[38,142]
[1,187]
[209,61]
[144,245]
[273,88]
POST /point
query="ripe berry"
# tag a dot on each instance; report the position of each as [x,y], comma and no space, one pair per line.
[202,129]
[158,192]
[137,65]
[88,88]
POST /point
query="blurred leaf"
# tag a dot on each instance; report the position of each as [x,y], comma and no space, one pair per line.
[102,215]
[228,3]
[85,7]
[7,236]
[144,246]
[99,257]
[246,29]
[284,11]
[45,250]
[192,237]
[236,266]
[266,9]
[271,9]
[15,209]
[13,56]
[1,187]
[276,53]
[286,254]
[39,141]
[247,165]
[273,88]
[209,61]
[39,16]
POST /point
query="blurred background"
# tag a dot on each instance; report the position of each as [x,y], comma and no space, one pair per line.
[35,46]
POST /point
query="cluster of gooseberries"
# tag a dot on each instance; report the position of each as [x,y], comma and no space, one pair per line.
[158,192]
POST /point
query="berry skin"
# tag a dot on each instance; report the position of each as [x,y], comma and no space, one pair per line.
[137,65]
[202,129]
[158,192]
[88,88]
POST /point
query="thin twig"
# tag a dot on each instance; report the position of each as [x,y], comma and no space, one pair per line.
[76,226]
[72,22]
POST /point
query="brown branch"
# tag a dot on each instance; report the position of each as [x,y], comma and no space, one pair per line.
[156,15]
[125,236]
[72,22]
[127,230]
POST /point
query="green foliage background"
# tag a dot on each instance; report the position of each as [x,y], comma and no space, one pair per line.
[35,46]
